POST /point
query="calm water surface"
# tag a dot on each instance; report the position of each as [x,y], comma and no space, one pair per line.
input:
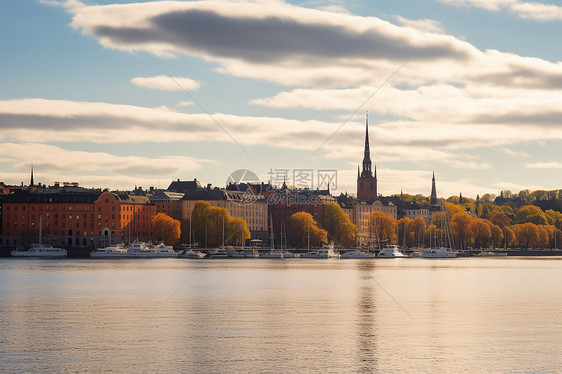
[255,315]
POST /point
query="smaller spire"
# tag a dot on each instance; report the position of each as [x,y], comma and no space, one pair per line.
[31,182]
[358,175]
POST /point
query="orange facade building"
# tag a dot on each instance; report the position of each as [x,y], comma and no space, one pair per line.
[75,219]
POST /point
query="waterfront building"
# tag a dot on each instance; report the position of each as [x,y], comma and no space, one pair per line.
[75,217]
[254,211]
[168,203]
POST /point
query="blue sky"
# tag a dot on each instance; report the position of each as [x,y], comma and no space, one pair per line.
[475,92]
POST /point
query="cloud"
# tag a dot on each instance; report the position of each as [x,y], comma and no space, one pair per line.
[528,10]
[426,25]
[65,162]
[296,46]
[166,83]
[417,141]
[544,165]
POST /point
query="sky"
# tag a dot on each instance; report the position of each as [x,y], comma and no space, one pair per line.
[120,94]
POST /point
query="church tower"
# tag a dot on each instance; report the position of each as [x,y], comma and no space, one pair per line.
[433,198]
[366,182]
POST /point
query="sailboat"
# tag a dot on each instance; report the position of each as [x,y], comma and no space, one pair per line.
[438,250]
[39,249]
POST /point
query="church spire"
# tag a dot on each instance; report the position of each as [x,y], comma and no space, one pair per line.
[433,199]
[366,172]
[31,182]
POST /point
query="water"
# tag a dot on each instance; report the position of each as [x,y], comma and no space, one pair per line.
[255,315]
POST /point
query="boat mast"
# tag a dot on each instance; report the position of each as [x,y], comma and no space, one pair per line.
[40,229]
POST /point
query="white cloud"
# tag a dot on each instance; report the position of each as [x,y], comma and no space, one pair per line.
[544,165]
[297,46]
[97,169]
[166,83]
[529,10]
[426,25]
[184,103]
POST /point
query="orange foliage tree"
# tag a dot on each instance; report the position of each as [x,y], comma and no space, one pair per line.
[302,226]
[166,229]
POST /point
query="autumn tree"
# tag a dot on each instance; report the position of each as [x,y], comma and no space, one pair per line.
[496,234]
[382,227]
[404,232]
[213,226]
[509,237]
[531,213]
[338,225]
[500,219]
[166,229]
[460,227]
[481,232]
[418,227]
[302,226]
[237,231]
[527,234]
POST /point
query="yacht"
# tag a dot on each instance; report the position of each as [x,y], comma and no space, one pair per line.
[39,250]
[491,254]
[221,253]
[111,251]
[357,254]
[143,250]
[191,254]
[439,252]
[278,254]
[392,251]
[327,251]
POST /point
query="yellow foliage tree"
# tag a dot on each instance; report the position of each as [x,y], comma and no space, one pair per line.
[338,225]
[382,227]
[166,229]
[302,226]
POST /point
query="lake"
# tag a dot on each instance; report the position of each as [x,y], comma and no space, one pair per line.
[293,315]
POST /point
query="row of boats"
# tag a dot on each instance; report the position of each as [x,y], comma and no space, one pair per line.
[146,250]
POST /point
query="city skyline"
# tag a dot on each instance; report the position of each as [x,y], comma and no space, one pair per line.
[143,93]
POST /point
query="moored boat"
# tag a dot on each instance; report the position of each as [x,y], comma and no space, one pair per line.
[39,250]
[357,254]
[392,251]
[111,251]
[439,252]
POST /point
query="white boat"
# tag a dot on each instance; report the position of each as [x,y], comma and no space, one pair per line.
[439,252]
[392,251]
[357,254]
[111,251]
[244,254]
[327,251]
[218,254]
[191,254]
[491,254]
[278,254]
[143,250]
[39,250]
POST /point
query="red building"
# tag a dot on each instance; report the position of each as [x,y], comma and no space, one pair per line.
[79,218]
[366,182]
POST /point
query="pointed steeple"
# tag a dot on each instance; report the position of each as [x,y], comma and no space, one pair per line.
[31,182]
[460,198]
[358,174]
[366,172]
[433,199]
